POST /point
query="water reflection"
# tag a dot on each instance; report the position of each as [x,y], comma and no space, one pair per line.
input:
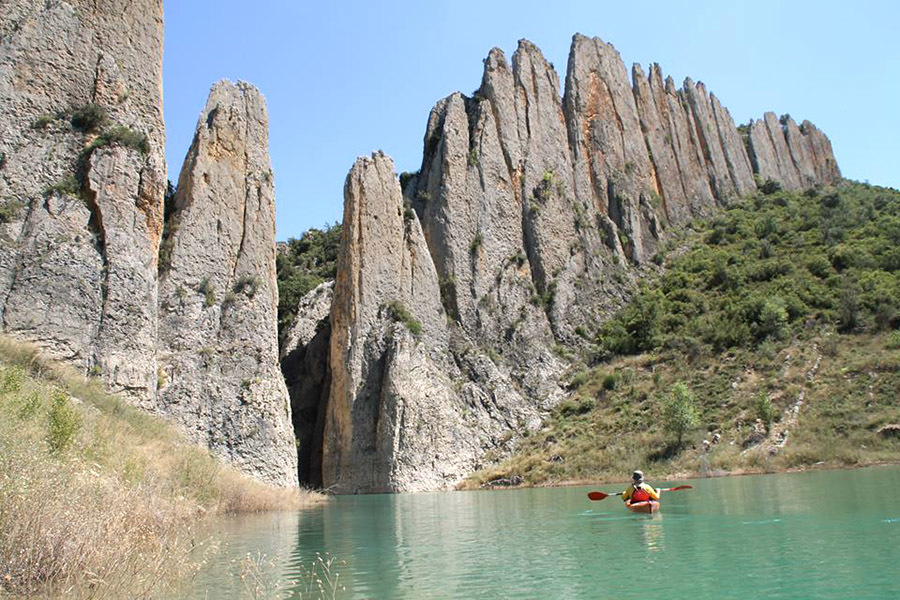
[652,533]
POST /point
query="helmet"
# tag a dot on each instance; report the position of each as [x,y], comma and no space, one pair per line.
[637,476]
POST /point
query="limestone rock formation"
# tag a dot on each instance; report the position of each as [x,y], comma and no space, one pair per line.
[82,176]
[531,220]
[218,348]
[796,157]
[413,405]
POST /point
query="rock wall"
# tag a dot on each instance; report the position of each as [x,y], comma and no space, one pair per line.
[796,157]
[82,175]
[82,180]
[533,216]
[218,338]
[413,404]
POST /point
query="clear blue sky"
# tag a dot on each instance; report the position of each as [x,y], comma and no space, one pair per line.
[345,78]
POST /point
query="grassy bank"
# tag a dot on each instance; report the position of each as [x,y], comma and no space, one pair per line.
[98,499]
[778,320]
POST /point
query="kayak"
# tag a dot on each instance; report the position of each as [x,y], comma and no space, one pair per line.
[647,506]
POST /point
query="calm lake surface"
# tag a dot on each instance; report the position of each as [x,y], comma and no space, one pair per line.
[825,534]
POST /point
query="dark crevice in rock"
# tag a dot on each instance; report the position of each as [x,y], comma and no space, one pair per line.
[307,374]
[95,226]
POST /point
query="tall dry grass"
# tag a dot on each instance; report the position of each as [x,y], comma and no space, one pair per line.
[98,499]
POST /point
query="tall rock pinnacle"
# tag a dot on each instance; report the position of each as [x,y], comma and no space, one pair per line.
[218,333]
[413,405]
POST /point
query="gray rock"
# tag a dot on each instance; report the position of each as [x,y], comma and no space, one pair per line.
[790,177]
[414,402]
[733,149]
[762,152]
[801,153]
[611,162]
[658,134]
[218,296]
[822,155]
[78,264]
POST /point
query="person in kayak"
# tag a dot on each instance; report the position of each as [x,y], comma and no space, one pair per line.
[639,491]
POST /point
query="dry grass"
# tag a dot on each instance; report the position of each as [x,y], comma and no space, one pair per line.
[98,499]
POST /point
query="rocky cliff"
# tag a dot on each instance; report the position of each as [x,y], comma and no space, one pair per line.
[534,214]
[82,176]
[218,338]
[82,180]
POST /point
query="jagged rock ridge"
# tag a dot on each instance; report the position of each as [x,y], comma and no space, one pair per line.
[82,180]
[539,211]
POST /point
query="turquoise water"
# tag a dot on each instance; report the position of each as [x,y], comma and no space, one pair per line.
[825,534]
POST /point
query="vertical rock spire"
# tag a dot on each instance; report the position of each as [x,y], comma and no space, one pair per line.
[218,295]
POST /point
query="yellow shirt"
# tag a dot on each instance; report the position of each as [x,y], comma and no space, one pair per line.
[654,494]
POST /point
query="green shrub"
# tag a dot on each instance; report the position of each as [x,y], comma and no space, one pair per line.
[122,136]
[246,284]
[405,178]
[770,186]
[208,290]
[11,380]
[764,410]
[67,186]
[576,406]
[893,342]
[400,314]
[11,211]
[476,243]
[610,381]
[408,213]
[89,117]
[42,122]
[64,422]
[229,299]
[772,318]
[303,265]
[680,414]
[578,380]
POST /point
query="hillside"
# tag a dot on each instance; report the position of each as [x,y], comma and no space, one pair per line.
[99,499]
[780,318]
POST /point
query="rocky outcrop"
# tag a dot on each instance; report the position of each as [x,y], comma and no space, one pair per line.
[531,219]
[796,157]
[218,348]
[413,405]
[82,176]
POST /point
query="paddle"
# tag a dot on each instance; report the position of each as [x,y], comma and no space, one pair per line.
[601,495]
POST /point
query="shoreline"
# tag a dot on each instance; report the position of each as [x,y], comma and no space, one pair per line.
[669,478]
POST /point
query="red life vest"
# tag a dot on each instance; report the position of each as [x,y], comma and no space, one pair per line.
[639,495]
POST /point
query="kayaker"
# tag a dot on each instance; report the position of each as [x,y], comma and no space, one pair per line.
[639,491]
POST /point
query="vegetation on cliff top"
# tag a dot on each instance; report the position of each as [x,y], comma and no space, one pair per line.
[99,499]
[304,264]
[779,316]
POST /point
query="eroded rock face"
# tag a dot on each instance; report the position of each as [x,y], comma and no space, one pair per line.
[413,405]
[82,179]
[796,157]
[530,221]
[218,348]
[79,244]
